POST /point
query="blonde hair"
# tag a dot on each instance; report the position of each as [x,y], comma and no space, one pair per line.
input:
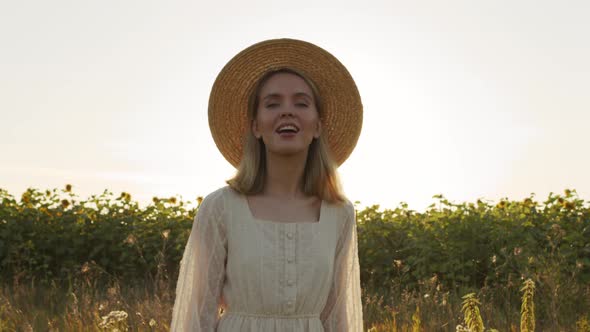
[320,175]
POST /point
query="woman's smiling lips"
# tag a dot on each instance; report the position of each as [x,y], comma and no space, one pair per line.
[287,134]
[287,130]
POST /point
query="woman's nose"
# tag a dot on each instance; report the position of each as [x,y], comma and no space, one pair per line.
[286,112]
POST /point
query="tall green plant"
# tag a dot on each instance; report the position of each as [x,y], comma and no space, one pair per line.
[470,310]
[416,320]
[527,310]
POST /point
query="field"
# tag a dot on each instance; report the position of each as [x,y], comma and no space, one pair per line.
[105,264]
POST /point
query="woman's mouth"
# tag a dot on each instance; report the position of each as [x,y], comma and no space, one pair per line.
[287,134]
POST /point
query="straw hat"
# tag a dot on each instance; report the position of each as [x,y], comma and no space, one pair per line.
[341,107]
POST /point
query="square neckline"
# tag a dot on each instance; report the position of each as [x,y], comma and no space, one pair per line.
[246,206]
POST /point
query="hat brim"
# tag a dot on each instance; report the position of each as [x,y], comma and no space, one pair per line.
[342,110]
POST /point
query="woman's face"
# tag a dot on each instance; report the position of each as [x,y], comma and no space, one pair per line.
[285,98]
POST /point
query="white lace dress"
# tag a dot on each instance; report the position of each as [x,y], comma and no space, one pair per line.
[266,275]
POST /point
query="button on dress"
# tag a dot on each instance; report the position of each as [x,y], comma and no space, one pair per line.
[268,275]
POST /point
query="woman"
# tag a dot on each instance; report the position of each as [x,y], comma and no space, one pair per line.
[276,248]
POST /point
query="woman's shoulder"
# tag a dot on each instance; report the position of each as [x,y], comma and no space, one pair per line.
[219,196]
[349,209]
[213,200]
[344,210]
[214,205]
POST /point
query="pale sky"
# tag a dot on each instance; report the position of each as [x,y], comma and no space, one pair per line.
[470,99]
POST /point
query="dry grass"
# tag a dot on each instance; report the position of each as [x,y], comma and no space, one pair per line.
[85,307]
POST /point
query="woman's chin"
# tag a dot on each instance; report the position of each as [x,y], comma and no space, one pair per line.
[289,151]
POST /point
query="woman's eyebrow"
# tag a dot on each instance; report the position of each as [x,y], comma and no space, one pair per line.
[278,95]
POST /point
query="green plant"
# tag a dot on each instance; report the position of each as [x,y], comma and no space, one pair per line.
[527,311]
[470,310]
[416,320]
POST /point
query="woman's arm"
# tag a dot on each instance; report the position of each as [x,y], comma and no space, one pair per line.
[202,270]
[344,310]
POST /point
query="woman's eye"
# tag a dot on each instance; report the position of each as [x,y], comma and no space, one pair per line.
[298,104]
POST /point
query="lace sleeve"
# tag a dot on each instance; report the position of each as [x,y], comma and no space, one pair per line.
[202,271]
[343,310]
